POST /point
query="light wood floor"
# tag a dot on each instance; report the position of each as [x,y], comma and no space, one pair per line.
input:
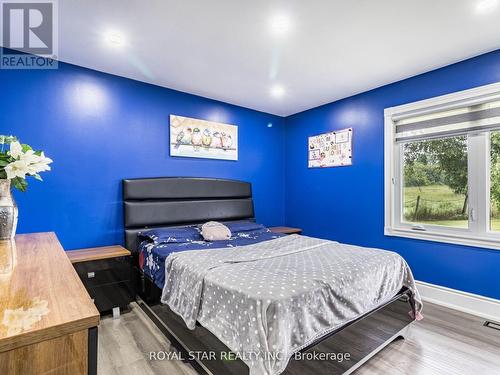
[445,342]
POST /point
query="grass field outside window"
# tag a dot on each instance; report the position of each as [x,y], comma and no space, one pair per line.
[441,202]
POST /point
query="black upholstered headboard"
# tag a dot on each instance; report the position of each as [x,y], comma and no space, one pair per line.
[182,201]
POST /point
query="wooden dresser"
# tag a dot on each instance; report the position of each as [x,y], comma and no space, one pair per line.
[48,323]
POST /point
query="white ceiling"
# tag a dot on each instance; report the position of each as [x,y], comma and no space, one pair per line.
[225,50]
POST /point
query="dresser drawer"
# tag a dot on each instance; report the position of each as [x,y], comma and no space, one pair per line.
[106,271]
[112,295]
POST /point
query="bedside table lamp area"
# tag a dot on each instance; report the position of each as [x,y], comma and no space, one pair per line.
[106,273]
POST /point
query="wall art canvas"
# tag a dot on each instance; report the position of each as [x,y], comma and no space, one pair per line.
[333,149]
[194,138]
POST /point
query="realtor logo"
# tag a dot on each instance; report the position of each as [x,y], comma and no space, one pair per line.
[29,34]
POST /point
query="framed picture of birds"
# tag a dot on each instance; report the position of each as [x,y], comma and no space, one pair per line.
[195,138]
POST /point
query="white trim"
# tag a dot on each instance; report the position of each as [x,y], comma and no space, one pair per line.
[389,130]
[484,307]
[476,95]
[467,239]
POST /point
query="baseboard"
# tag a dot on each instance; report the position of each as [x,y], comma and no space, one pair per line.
[485,307]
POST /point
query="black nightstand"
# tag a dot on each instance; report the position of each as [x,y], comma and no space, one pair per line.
[106,273]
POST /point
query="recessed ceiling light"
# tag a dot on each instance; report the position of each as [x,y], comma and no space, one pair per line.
[114,38]
[277,91]
[485,6]
[280,24]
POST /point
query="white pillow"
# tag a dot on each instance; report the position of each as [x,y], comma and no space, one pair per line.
[214,231]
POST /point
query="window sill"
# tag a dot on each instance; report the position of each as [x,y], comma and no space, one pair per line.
[451,238]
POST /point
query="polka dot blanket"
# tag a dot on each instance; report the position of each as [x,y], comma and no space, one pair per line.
[268,300]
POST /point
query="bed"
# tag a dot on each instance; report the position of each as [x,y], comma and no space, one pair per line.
[329,316]
[158,244]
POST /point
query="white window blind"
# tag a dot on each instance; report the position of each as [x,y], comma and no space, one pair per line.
[458,121]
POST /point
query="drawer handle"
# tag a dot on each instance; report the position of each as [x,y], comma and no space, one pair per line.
[91,275]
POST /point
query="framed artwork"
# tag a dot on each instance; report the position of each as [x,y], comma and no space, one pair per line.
[194,138]
[333,149]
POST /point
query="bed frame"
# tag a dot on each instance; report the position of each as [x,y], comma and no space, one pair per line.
[184,201]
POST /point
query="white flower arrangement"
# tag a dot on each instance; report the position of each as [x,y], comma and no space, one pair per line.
[20,161]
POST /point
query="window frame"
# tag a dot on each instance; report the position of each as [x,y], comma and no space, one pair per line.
[478,233]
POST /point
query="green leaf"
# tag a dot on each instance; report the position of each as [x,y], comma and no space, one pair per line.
[26,147]
[20,184]
[5,159]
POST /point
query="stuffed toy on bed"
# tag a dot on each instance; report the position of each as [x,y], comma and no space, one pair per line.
[214,231]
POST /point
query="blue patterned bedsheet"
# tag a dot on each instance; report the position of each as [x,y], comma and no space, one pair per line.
[152,256]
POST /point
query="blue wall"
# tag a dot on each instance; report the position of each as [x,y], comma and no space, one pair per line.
[100,128]
[347,203]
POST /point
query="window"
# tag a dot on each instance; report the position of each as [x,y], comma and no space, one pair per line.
[435,181]
[495,181]
[442,168]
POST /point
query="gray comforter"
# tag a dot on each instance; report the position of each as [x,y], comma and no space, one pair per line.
[269,300]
